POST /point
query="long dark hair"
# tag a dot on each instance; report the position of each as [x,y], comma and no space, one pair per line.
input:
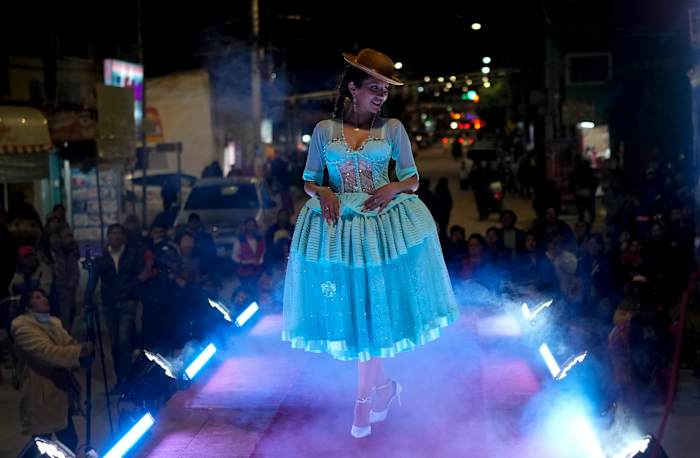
[350,74]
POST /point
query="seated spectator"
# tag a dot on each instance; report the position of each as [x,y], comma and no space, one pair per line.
[283,224]
[564,262]
[631,261]
[204,246]
[582,230]
[496,251]
[598,280]
[550,226]
[456,250]
[533,269]
[513,238]
[248,254]
[477,267]
[49,391]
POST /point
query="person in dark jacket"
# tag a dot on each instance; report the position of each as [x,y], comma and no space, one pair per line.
[119,269]
[513,238]
[443,206]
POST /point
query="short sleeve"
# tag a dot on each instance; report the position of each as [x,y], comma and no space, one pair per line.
[401,152]
[313,171]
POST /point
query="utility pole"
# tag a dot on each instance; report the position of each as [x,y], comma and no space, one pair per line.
[255,89]
[142,127]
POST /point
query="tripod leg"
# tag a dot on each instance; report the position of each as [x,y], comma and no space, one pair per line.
[98,333]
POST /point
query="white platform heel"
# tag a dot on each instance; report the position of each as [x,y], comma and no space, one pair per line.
[377,416]
[358,432]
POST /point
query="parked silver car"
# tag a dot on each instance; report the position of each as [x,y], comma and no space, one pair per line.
[224,203]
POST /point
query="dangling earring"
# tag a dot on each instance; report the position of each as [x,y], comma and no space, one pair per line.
[357,115]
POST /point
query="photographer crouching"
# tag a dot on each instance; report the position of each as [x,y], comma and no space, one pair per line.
[49,391]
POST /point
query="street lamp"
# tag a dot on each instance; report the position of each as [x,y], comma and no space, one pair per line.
[398,65]
[485,70]
[476,26]
[486,60]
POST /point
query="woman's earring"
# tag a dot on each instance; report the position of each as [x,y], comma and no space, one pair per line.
[357,115]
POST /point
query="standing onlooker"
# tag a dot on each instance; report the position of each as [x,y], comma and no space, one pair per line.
[64,255]
[547,196]
[480,179]
[248,254]
[213,170]
[119,269]
[134,234]
[583,185]
[49,392]
[8,254]
[443,206]
[426,195]
[204,246]
[31,272]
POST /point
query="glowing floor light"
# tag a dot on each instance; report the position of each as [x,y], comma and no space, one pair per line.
[571,362]
[247,314]
[549,360]
[200,361]
[53,449]
[222,309]
[635,448]
[530,315]
[588,439]
[130,438]
[560,372]
[161,361]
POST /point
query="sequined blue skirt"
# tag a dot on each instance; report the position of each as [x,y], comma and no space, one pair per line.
[372,285]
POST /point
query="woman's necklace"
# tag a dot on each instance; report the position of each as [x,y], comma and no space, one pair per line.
[356,129]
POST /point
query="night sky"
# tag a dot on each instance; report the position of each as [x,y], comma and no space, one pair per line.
[306,38]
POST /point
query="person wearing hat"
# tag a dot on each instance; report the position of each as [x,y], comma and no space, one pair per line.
[30,272]
[365,278]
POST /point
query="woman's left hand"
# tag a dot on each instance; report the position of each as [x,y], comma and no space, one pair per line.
[381,197]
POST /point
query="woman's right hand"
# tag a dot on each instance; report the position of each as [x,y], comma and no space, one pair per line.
[330,207]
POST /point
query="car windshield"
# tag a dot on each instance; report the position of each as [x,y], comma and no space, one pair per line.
[239,195]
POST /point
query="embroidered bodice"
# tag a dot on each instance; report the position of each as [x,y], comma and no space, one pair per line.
[363,169]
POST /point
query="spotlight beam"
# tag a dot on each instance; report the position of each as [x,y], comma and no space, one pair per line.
[247,314]
[200,361]
[130,438]
[549,360]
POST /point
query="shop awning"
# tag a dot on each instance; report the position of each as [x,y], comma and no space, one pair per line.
[23,130]
[24,144]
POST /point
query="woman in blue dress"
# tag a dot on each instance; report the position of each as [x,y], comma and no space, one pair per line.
[365,279]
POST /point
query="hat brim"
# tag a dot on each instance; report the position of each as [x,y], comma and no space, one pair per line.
[352,60]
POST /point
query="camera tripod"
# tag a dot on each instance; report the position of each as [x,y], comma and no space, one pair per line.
[94,334]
